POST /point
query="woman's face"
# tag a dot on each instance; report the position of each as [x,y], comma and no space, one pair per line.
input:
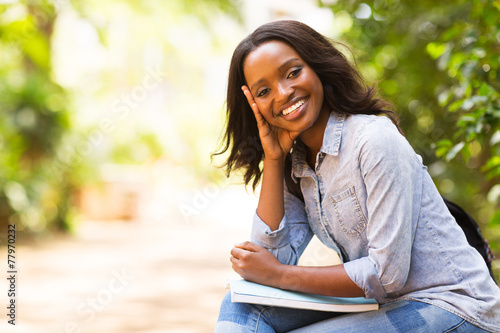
[287,91]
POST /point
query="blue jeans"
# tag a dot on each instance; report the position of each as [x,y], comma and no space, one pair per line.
[402,316]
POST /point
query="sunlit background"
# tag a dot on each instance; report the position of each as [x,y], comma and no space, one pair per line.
[109,113]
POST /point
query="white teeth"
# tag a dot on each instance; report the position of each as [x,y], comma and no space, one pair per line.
[293,108]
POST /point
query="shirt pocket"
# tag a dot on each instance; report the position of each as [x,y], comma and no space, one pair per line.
[347,210]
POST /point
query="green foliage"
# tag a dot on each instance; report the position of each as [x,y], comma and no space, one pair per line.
[145,146]
[35,191]
[45,155]
[438,63]
[470,55]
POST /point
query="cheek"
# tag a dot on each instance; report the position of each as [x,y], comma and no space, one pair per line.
[315,85]
[265,110]
[321,94]
[318,88]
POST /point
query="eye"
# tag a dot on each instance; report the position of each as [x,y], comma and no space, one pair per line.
[294,73]
[263,92]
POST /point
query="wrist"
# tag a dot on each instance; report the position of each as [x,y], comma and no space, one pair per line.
[287,278]
[275,161]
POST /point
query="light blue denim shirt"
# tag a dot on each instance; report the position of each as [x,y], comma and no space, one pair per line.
[371,199]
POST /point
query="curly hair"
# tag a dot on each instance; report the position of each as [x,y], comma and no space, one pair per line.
[345,91]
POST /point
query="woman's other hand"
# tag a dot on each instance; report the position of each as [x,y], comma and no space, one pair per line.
[255,263]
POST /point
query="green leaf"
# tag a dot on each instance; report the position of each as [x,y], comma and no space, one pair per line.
[455,150]
[495,138]
[485,89]
[495,219]
[435,50]
[479,52]
[455,105]
[443,147]
[492,167]
[444,98]
[494,194]
[493,162]
[467,119]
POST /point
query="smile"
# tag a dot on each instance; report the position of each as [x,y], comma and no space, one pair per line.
[294,107]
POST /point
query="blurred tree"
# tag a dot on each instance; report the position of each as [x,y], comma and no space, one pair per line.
[44,156]
[35,188]
[438,63]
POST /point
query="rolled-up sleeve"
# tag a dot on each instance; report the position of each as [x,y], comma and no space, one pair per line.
[392,174]
[289,241]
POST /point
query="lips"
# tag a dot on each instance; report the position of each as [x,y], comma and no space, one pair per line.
[294,107]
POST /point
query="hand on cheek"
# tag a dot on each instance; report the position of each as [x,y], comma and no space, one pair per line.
[276,141]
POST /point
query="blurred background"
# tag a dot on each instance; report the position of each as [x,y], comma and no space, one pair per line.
[109,111]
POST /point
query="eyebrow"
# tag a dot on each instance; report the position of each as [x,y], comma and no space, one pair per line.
[280,69]
[286,63]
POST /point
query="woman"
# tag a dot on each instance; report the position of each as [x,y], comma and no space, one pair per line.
[366,194]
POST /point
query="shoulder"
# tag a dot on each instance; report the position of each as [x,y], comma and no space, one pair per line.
[378,134]
[370,125]
[360,129]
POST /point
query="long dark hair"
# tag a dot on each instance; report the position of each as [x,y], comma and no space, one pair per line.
[345,91]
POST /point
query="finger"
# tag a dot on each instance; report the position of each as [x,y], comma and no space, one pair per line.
[251,101]
[249,246]
[242,245]
[274,129]
[248,94]
[291,137]
[235,266]
[237,270]
[238,253]
[286,139]
[234,253]
[258,116]
[294,135]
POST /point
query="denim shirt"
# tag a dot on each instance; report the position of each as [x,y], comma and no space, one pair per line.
[371,199]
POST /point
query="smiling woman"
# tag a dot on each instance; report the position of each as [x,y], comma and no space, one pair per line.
[344,90]
[366,195]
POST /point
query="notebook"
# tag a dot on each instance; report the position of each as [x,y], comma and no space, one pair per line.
[243,291]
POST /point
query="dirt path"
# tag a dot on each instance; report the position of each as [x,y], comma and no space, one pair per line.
[124,277]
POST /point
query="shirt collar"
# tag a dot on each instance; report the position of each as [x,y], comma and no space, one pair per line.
[333,134]
[331,145]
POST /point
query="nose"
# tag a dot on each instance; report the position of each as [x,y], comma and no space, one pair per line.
[284,92]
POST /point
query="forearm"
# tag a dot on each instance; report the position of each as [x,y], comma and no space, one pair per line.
[329,280]
[254,263]
[271,208]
